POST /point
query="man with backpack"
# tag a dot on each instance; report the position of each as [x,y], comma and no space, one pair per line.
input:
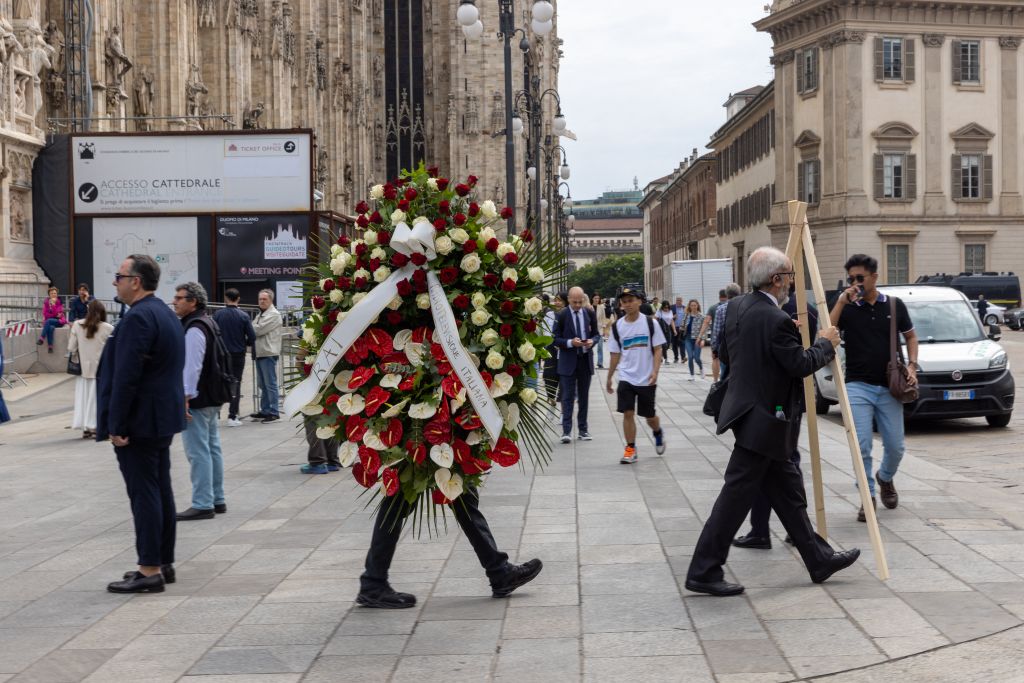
[208,385]
[236,329]
[636,352]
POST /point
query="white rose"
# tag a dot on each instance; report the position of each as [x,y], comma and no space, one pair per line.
[357,297]
[458,235]
[423,301]
[448,483]
[339,263]
[402,338]
[501,384]
[336,249]
[381,274]
[488,210]
[370,237]
[489,337]
[378,253]
[504,248]
[432,183]
[347,453]
[308,335]
[517,242]
[494,360]
[342,379]
[336,296]
[470,263]
[528,395]
[395,303]
[479,300]
[377,192]
[527,352]
[390,380]
[486,235]
[422,411]
[397,217]
[420,219]
[442,454]
[533,306]
[536,273]
[510,274]
[480,317]
[361,272]
[325,432]
[351,404]
[443,245]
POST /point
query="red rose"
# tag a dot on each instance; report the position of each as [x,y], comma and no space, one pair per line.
[384,237]
[459,219]
[419,277]
[442,184]
[394,317]
[469,246]
[526,235]
[508,307]
[438,497]
[360,263]
[360,376]
[355,428]
[461,302]
[364,476]
[375,217]
[389,481]
[432,171]
[440,224]
[509,285]
[344,241]
[307,368]
[411,193]
[399,259]
[404,288]
[505,452]
[360,282]
[474,209]
[462,190]
[391,434]
[326,328]
[375,400]
[362,207]
[514,370]
[399,181]
[511,258]
[390,192]
[361,249]
[449,275]
[403,204]
[444,207]
[530,326]
[374,264]
[490,279]
[333,316]
[472,181]
[505,330]
[418,259]
[506,212]
[318,301]
[417,451]
[343,282]
[328,285]
[362,221]
[492,244]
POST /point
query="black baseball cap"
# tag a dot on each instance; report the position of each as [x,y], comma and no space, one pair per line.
[632,291]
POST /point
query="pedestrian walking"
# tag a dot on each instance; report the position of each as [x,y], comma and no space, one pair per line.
[237,332]
[982,308]
[636,348]
[766,362]
[554,305]
[203,399]
[140,407]
[321,454]
[575,333]
[80,304]
[605,318]
[267,349]
[667,321]
[678,341]
[53,317]
[688,331]
[705,326]
[732,290]
[87,337]
[864,315]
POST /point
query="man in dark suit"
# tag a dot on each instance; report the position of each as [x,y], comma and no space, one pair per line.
[575,334]
[766,364]
[140,407]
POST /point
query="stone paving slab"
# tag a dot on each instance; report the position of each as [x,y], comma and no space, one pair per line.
[265,592]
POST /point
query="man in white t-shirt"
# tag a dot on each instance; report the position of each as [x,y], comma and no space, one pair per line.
[635,347]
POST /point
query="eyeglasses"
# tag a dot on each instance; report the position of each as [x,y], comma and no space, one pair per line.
[118,276]
[855,278]
[791,273]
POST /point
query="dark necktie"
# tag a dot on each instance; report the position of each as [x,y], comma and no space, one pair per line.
[579,331]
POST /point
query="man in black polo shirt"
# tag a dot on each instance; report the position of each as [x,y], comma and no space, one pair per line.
[237,332]
[863,314]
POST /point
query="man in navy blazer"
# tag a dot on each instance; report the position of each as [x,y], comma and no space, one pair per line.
[575,332]
[141,406]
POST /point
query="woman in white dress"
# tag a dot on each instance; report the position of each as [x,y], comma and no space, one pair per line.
[88,335]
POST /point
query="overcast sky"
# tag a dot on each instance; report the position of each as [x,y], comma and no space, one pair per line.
[643,82]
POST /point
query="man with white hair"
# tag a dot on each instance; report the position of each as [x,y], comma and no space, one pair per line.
[575,332]
[267,349]
[766,364]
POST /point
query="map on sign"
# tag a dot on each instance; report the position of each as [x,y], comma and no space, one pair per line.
[171,241]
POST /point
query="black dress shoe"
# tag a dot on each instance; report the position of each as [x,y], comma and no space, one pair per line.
[836,563]
[753,542]
[138,584]
[192,514]
[258,416]
[385,598]
[719,588]
[220,508]
[270,418]
[516,576]
[166,569]
[789,540]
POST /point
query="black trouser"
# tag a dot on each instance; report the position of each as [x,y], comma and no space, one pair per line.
[550,376]
[747,475]
[146,468]
[237,370]
[761,511]
[678,350]
[575,388]
[321,451]
[388,529]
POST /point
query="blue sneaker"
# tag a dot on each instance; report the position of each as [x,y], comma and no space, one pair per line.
[332,468]
[313,469]
[659,442]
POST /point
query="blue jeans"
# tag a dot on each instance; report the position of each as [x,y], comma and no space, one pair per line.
[600,351]
[48,327]
[868,402]
[202,447]
[693,354]
[266,369]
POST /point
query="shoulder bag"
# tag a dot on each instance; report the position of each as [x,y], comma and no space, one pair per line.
[74,364]
[896,370]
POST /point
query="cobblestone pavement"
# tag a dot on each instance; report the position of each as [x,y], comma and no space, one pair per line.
[265,592]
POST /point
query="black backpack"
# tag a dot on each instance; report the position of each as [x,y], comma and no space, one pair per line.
[217,380]
[650,332]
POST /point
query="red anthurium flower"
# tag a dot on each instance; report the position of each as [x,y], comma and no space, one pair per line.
[506,212]
[439,498]
[492,244]
[437,352]
[437,431]
[462,190]
[360,376]
[530,326]
[511,258]
[468,420]
[417,451]
[487,378]
[509,285]
[318,301]
[472,181]
[464,456]
[394,317]
[389,481]
[392,434]
[399,259]
[449,275]
[422,334]
[505,330]
[443,367]
[355,428]
[461,302]
[505,453]
[403,204]
[508,307]
[459,219]
[362,207]
[440,224]
[395,357]
[363,475]
[418,258]
[469,246]
[375,399]
[444,207]
[513,370]
[451,385]
[407,383]
[379,341]
[474,209]
[362,221]
[442,184]
[490,279]
[307,368]
[369,458]
[411,193]
[404,287]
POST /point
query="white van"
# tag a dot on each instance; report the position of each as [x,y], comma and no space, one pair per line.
[964,373]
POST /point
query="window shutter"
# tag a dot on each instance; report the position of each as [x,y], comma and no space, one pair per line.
[879,60]
[813,85]
[910,177]
[879,176]
[817,182]
[799,62]
[957,75]
[908,60]
[958,191]
[801,182]
[986,176]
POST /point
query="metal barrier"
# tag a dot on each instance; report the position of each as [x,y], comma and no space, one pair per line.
[8,333]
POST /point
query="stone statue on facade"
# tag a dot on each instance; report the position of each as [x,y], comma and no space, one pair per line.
[321,66]
[472,120]
[251,119]
[117,62]
[19,224]
[378,16]
[498,194]
[349,175]
[55,39]
[232,16]
[195,90]
[39,55]
[25,9]
[323,171]
[342,84]
[250,13]
[276,31]
[453,118]
[143,89]
[310,59]
[378,76]
[208,13]
[357,5]
[497,112]
[289,34]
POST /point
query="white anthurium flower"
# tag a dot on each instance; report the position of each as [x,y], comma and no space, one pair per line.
[442,455]
[395,303]
[414,352]
[378,253]
[470,263]
[479,300]
[348,452]
[533,306]
[422,411]
[336,296]
[381,274]
[528,395]
[512,420]
[527,351]
[370,237]
[449,483]
[494,360]
[443,245]
[351,404]
[504,249]
[423,301]
[390,380]
[488,210]
[473,438]
[486,235]
[312,409]
[480,317]
[501,384]
[325,433]
[398,216]
[535,273]
[510,274]
[372,440]
[402,338]
[432,183]
[459,400]
[308,335]
[342,380]
[489,337]
[458,235]
[395,410]
[357,297]
[377,192]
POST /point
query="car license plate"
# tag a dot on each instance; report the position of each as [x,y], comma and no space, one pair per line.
[958,395]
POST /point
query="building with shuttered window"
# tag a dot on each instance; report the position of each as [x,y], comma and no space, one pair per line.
[901,125]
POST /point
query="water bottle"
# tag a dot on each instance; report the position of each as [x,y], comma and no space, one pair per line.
[779,414]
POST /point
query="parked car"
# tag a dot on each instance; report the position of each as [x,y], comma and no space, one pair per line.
[994,315]
[998,288]
[1014,318]
[964,372]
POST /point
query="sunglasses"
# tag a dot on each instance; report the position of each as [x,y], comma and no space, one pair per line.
[118,276]
[855,278]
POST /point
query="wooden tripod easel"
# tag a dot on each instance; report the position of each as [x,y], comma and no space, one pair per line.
[799,248]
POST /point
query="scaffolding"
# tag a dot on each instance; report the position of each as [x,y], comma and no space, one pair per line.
[78,25]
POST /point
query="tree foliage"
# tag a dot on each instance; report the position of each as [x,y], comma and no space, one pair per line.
[604,277]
